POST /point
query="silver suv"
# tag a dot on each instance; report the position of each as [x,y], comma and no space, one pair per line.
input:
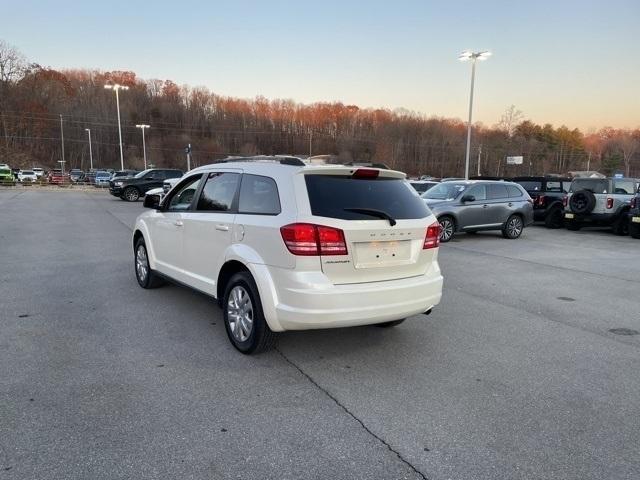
[599,202]
[475,205]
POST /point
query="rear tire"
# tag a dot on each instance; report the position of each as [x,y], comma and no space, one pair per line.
[621,226]
[244,320]
[146,277]
[634,230]
[390,324]
[573,226]
[513,227]
[448,228]
[555,218]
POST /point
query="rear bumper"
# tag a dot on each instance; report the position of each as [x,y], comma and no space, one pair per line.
[591,218]
[307,300]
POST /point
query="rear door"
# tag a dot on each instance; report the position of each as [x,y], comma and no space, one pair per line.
[377,248]
[500,206]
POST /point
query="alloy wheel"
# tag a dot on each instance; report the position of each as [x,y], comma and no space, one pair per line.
[142,264]
[446,230]
[514,227]
[240,313]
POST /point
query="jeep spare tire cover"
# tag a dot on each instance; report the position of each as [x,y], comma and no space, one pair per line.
[583,201]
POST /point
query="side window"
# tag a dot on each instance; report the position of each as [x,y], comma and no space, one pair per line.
[258,195]
[151,176]
[185,192]
[554,186]
[514,191]
[624,187]
[478,191]
[171,174]
[218,193]
[495,191]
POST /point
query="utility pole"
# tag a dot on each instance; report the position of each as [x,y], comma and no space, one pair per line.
[187,150]
[479,157]
[310,140]
[117,88]
[589,162]
[88,130]
[62,162]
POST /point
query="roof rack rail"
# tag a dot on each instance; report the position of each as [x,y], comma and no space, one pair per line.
[367,164]
[283,160]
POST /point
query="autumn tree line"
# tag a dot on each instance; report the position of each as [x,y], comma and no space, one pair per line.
[33,99]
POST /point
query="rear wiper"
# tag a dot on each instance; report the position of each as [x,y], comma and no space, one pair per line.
[373,213]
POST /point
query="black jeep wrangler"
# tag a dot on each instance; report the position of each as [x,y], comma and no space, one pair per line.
[634,216]
[547,194]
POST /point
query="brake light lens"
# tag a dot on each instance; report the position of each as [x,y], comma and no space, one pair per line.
[307,239]
[634,202]
[432,239]
[541,201]
[366,173]
[609,202]
[565,200]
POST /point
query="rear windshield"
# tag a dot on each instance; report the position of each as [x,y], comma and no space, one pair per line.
[27,172]
[336,196]
[531,186]
[593,185]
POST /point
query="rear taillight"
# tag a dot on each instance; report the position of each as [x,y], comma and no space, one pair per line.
[432,239]
[312,240]
[565,200]
[541,201]
[609,202]
[634,202]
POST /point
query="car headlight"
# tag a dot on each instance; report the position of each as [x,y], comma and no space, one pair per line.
[119,184]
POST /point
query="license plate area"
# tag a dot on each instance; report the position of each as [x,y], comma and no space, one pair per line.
[569,215]
[635,219]
[381,254]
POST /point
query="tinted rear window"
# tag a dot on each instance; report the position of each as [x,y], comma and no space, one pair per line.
[495,191]
[330,195]
[593,185]
[531,186]
[514,191]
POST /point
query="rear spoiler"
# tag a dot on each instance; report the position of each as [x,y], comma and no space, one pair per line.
[348,171]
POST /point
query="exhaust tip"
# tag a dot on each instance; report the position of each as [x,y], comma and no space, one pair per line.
[428,312]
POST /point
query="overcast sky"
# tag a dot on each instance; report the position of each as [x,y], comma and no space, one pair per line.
[563,62]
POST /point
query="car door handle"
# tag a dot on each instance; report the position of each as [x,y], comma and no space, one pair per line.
[510,204]
[223,228]
[178,223]
[485,206]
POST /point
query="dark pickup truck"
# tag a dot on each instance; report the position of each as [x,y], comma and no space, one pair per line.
[547,194]
[132,188]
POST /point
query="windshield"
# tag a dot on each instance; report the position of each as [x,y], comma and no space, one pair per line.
[103,174]
[4,171]
[445,191]
[142,173]
[27,172]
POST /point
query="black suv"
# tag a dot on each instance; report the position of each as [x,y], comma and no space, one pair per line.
[547,194]
[132,188]
[634,216]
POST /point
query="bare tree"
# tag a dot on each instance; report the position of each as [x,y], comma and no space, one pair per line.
[12,63]
[628,145]
[510,119]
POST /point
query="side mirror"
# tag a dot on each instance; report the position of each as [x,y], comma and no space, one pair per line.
[151,201]
[468,198]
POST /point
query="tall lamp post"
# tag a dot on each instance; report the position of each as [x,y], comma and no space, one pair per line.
[116,88]
[62,162]
[88,130]
[473,56]
[144,147]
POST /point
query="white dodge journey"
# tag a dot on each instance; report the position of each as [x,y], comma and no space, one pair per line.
[288,246]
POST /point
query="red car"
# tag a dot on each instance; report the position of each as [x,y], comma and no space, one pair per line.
[57,177]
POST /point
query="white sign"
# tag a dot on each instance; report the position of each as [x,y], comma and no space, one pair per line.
[514,160]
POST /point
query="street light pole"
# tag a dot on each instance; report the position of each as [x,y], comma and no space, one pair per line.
[88,130]
[116,87]
[62,162]
[144,147]
[473,56]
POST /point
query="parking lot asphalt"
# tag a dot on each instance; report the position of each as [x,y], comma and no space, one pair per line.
[516,374]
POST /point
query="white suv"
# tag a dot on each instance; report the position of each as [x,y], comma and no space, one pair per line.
[288,246]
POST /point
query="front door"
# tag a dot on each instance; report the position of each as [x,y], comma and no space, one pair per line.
[475,214]
[208,229]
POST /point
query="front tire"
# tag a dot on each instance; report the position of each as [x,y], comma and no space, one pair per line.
[146,277]
[244,319]
[447,228]
[513,228]
[131,194]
